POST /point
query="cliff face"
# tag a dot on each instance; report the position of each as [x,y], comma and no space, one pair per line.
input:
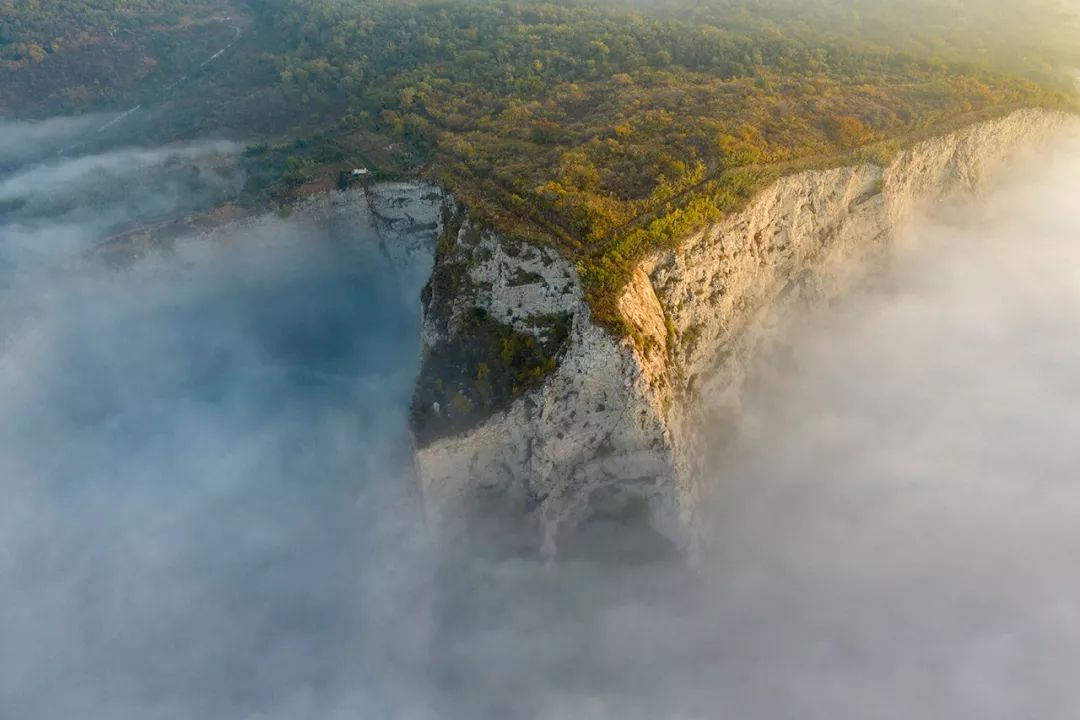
[608,427]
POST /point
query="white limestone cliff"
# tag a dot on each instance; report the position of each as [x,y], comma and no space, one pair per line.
[613,427]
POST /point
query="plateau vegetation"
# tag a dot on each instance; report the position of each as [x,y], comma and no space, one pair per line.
[607,130]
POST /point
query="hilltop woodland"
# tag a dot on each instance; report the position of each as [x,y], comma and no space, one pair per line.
[607,130]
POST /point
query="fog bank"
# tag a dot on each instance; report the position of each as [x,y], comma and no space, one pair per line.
[903,517]
[208,509]
[22,141]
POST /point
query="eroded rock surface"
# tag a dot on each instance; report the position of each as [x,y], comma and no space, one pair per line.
[609,431]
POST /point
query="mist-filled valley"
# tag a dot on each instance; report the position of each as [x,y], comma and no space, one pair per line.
[209,506]
[196,448]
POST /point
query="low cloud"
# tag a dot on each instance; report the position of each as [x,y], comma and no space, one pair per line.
[69,175]
[203,459]
[208,510]
[23,141]
[895,535]
[901,523]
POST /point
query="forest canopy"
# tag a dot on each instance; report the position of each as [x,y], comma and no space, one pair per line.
[607,129]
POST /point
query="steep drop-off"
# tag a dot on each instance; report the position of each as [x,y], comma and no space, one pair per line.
[599,426]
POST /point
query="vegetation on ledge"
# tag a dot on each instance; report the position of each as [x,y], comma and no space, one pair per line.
[483,367]
[482,364]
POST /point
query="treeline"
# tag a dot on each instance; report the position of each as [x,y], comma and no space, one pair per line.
[31,30]
[1035,38]
[73,56]
[571,122]
[605,128]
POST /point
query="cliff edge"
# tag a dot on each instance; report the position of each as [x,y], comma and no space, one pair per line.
[529,415]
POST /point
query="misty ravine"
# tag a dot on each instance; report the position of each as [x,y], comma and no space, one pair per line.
[208,511]
[197,452]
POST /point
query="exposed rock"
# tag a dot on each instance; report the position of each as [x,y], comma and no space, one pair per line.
[408,218]
[612,426]
[519,290]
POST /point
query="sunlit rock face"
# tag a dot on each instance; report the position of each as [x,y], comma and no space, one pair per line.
[610,433]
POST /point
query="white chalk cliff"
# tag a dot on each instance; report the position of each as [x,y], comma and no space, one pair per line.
[612,427]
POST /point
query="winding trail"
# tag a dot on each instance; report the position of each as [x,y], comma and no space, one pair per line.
[182,79]
[12,328]
[119,118]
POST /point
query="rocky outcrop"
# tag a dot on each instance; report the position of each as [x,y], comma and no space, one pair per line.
[609,430]
[408,219]
[554,452]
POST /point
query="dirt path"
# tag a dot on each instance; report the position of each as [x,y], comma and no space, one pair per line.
[182,79]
